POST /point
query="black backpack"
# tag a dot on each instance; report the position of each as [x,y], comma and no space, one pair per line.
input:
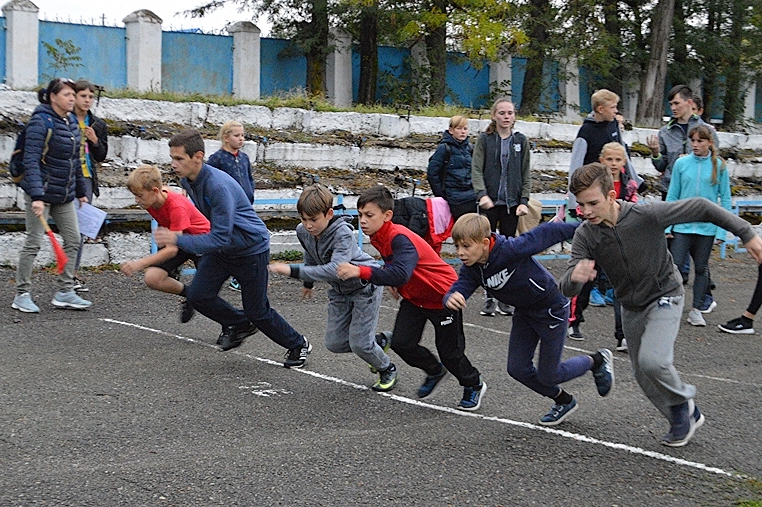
[16,165]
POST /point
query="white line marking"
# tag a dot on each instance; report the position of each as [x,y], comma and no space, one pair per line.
[409,401]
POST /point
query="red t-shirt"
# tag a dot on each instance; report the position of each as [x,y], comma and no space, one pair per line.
[180,215]
[618,188]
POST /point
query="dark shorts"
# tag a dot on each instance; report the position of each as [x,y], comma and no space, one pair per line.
[173,264]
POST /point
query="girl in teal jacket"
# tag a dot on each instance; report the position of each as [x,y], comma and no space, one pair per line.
[700,174]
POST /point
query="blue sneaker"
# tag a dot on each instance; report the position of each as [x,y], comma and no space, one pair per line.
[23,303]
[682,425]
[708,304]
[70,300]
[235,285]
[608,298]
[432,383]
[472,397]
[596,298]
[558,413]
[604,374]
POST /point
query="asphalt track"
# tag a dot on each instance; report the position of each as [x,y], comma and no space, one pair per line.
[123,405]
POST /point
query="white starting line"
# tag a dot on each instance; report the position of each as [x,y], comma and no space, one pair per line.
[565,434]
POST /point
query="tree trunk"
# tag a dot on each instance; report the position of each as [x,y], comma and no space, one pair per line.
[651,103]
[734,96]
[436,51]
[612,26]
[531,90]
[710,68]
[368,54]
[315,39]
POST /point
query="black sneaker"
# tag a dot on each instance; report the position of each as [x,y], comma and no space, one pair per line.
[384,340]
[575,334]
[296,357]
[741,325]
[186,311]
[504,309]
[233,336]
[79,285]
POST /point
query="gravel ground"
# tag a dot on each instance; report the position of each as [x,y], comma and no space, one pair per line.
[123,405]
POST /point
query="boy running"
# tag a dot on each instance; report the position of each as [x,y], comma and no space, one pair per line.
[353,304]
[175,212]
[506,269]
[415,272]
[628,242]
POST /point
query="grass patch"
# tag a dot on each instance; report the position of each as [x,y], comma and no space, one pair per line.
[287,256]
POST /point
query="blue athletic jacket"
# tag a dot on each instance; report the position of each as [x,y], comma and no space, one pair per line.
[512,275]
[236,228]
[57,178]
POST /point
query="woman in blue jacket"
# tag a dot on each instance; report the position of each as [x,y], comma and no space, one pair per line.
[51,183]
[701,174]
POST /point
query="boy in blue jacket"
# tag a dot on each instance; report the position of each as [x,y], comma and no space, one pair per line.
[506,269]
[237,245]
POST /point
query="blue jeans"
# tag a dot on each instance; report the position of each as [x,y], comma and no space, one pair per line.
[548,327]
[699,247]
[251,272]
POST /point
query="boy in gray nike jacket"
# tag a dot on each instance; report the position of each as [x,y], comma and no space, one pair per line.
[353,304]
[628,242]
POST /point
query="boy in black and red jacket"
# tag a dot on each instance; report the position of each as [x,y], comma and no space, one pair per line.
[413,271]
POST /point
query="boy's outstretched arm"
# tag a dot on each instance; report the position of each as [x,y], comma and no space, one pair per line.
[541,238]
[164,254]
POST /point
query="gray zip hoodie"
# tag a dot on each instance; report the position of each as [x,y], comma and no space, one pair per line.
[323,255]
[634,252]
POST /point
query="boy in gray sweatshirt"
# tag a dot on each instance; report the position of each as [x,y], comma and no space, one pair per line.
[628,242]
[353,304]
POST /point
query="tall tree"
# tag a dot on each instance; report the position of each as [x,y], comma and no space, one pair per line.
[651,101]
[368,52]
[537,30]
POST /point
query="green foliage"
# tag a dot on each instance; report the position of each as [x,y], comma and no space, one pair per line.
[65,56]
[287,256]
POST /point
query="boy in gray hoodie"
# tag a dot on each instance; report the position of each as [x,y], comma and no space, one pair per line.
[628,242]
[353,304]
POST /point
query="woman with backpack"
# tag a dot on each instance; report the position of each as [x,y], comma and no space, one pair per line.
[449,172]
[52,180]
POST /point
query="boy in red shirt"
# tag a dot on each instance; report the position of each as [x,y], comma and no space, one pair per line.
[415,272]
[175,212]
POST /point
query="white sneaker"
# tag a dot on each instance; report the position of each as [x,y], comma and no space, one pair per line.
[70,299]
[23,303]
[695,318]
[621,346]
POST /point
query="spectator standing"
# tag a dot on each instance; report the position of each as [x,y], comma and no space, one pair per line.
[449,171]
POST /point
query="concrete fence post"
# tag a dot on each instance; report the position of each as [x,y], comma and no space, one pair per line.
[500,76]
[143,51]
[246,59]
[569,90]
[22,42]
[339,69]
[750,101]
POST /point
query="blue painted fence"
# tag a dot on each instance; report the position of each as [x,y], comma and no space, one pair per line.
[201,63]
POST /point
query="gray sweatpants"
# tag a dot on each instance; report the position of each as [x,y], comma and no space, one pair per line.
[651,336]
[351,325]
[65,216]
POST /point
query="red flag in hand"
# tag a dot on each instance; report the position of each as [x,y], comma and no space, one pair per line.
[61,258]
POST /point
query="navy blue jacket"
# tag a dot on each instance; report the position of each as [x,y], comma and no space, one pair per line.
[239,167]
[236,229]
[456,187]
[58,178]
[512,275]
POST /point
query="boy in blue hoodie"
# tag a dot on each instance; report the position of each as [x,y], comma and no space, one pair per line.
[353,304]
[506,269]
[237,245]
